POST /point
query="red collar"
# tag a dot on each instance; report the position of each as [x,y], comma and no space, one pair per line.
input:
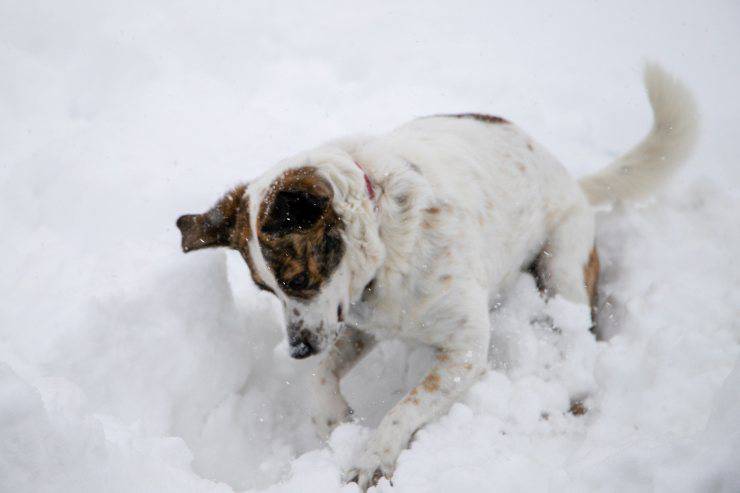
[368,183]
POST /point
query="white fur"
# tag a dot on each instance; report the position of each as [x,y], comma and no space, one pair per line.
[462,207]
[637,173]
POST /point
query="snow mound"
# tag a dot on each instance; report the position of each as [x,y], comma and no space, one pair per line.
[174,383]
[128,366]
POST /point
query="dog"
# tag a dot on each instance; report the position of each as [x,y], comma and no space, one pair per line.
[414,234]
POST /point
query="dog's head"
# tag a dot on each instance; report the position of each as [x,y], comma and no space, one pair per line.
[291,237]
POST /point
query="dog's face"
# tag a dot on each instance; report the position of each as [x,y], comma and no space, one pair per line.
[292,243]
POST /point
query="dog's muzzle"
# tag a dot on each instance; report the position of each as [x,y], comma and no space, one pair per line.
[302,344]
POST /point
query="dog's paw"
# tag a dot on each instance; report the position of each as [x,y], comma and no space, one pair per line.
[375,463]
[366,477]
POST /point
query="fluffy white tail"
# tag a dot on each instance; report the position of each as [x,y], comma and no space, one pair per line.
[649,164]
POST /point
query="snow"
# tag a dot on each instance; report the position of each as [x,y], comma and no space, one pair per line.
[127,366]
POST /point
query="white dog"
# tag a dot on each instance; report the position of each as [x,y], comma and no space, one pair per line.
[414,233]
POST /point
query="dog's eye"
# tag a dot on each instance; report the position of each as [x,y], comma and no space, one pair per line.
[294,211]
[298,282]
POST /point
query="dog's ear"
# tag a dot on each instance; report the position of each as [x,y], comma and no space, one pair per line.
[215,227]
[298,200]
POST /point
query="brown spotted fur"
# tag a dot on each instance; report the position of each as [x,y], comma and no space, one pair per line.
[480,117]
[431,382]
[242,234]
[213,228]
[316,251]
[225,224]
[590,277]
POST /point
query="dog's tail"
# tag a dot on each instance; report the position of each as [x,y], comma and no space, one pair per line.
[649,164]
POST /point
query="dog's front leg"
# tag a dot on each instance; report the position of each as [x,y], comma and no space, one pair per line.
[455,370]
[329,407]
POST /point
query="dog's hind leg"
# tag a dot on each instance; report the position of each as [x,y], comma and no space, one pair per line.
[568,264]
[329,407]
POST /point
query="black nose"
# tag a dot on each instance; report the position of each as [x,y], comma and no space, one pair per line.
[300,341]
[301,349]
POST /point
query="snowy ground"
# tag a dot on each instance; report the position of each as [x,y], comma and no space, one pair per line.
[127,366]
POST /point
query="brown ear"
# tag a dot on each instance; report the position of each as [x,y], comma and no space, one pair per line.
[213,228]
[296,202]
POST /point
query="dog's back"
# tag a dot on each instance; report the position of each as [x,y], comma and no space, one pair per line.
[494,191]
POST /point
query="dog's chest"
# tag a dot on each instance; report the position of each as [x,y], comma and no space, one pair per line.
[389,314]
[408,305]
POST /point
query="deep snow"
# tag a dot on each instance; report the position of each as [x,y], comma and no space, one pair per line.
[127,366]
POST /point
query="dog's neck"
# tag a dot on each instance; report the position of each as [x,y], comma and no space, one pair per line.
[356,201]
[368,182]
[381,208]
